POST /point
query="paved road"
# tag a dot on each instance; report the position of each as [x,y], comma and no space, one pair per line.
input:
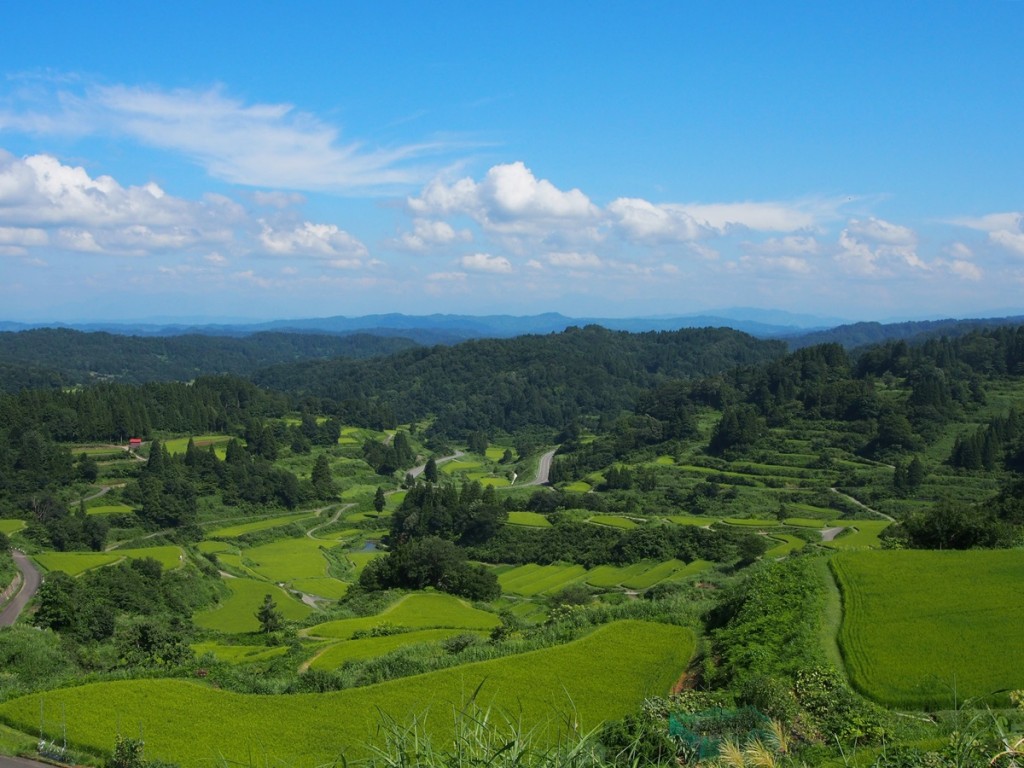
[21,762]
[543,469]
[417,471]
[30,584]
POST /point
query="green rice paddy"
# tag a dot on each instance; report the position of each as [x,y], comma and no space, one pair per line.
[615,521]
[332,589]
[864,534]
[529,519]
[109,509]
[602,676]
[287,559]
[369,647]
[930,629]
[238,612]
[420,610]
[74,563]
[11,526]
[232,531]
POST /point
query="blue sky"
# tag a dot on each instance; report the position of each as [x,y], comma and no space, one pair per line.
[263,160]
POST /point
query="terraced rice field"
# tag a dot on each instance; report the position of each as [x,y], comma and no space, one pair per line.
[529,519]
[109,509]
[783,544]
[74,563]
[332,589]
[864,534]
[602,676]
[703,522]
[11,526]
[751,522]
[180,444]
[804,522]
[643,575]
[420,610]
[615,521]
[233,531]
[287,559]
[532,579]
[931,628]
[238,613]
[369,647]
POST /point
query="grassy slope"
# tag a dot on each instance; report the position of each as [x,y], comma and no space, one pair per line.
[604,675]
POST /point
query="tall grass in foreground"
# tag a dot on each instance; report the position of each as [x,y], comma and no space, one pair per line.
[484,737]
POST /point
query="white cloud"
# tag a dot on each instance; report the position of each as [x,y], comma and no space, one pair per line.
[874,247]
[509,199]
[428,233]
[879,231]
[482,262]
[255,144]
[15,241]
[1005,230]
[1011,241]
[447,276]
[573,260]
[965,269]
[309,239]
[787,246]
[88,214]
[993,222]
[642,220]
[277,199]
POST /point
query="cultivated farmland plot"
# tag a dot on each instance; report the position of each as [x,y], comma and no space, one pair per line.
[238,613]
[420,610]
[544,689]
[931,628]
[11,526]
[74,563]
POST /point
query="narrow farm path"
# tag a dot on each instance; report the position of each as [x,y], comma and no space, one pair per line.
[30,581]
[417,471]
[334,518]
[862,505]
[543,469]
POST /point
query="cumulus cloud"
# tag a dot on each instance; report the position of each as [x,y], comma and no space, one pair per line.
[87,214]
[874,247]
[1005,230]
[428,233]
[509,199]
[483,262]
[255,144]
[309,239]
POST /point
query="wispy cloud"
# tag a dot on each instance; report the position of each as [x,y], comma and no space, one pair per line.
[253,144]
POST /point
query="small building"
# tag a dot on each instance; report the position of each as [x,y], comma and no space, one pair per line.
[134,443]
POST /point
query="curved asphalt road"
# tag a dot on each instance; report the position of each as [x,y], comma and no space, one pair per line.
[29,585]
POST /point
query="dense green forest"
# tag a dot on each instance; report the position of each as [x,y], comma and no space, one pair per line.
[272,534]
[61,357]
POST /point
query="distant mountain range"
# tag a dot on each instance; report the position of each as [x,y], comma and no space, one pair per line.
[798,330]
[448,329]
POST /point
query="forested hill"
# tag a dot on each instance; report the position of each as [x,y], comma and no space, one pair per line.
[862,334]
[508,384]
[62,357]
